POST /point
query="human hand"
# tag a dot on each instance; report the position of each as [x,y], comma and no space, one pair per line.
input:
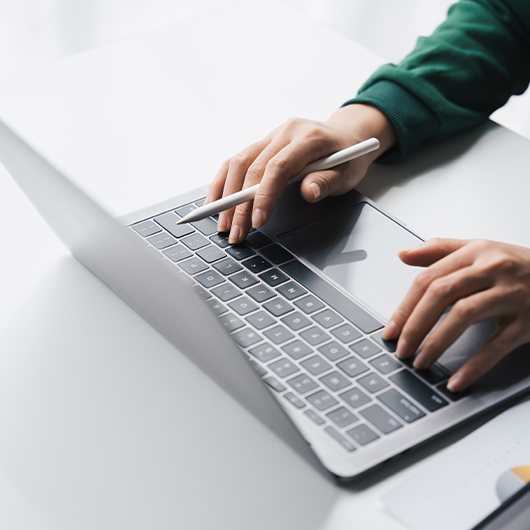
[482,280]
[285,152]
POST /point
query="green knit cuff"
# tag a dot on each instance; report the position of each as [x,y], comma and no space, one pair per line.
[413,120]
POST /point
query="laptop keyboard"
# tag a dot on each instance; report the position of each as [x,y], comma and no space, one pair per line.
[308,341]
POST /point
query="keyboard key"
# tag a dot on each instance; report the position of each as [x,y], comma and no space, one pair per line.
[243,306]
[314,416]
[345,443]
[322,400]
[211,253]
[355,397]
[346,333]
[240,252]
[302,383]
[258,368]
[177,253]
[231,322]
[381,419]
[185,210]
[209,279]
[314,336]
[243,279]
[362,434]
[309,304]
[372,382]
[278,334]
[339,302]
[264,352]
[433,375]
[195,241]
[352,366]
[316,365]
[199,203]
[207,226]
[297,349]
[274,383]
[283,367]
[327,318]
[342,417]
[193,265]
[201,292]
[278,307]
[388,345]
[333,351]
[146,228]
[261,320]
[273,277]
[246,337]
[398,403]
[227,266]
[257,264]
[418,390]
[169,222]
[297,402]
[296,321]
[220,239]
[217,307]
[161,240]
[258,240]
[335,381]
[226,292]
[291,290]
[365,348]
[260,293]
[276,254]
[386,364]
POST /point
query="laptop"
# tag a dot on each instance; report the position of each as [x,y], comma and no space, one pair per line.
[289,322]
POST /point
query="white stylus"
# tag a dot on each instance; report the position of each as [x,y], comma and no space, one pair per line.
[336,159]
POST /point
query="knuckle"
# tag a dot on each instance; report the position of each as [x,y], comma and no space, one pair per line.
[440,288]
[424,278]
[464,309]
[255,171]
[237,161]
[293,123]
[278,164]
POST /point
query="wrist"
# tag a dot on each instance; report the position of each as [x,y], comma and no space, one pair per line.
[360,122]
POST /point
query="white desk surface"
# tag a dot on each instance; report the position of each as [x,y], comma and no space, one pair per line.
[101,420]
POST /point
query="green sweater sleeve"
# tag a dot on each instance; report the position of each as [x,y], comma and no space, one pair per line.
[458,76]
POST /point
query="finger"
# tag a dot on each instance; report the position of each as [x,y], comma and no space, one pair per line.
[467,311]
[431,251]
[440,294]
[234,179]
[500,344]
[450,263]
[242,214]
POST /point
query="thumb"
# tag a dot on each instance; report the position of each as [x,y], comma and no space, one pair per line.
[316,186]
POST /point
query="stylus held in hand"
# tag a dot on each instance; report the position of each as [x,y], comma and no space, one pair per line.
[336,159]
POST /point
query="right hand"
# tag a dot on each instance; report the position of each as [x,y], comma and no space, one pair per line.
[285,152]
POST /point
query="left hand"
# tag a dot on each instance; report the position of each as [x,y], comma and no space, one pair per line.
[482,280]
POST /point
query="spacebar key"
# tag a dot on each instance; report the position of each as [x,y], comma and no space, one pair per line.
[343,305]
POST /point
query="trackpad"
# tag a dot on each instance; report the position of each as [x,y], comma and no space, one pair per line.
[357,248]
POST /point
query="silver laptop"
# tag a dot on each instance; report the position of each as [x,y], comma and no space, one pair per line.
[289,322]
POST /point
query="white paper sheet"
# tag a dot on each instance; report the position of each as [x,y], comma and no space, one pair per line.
[467,481]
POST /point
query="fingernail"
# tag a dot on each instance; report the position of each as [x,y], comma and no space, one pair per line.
[420,361]
[233,238]
[316,190]
[402,349]
[222,223]
[390,331]
[257,218]
[454,384]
